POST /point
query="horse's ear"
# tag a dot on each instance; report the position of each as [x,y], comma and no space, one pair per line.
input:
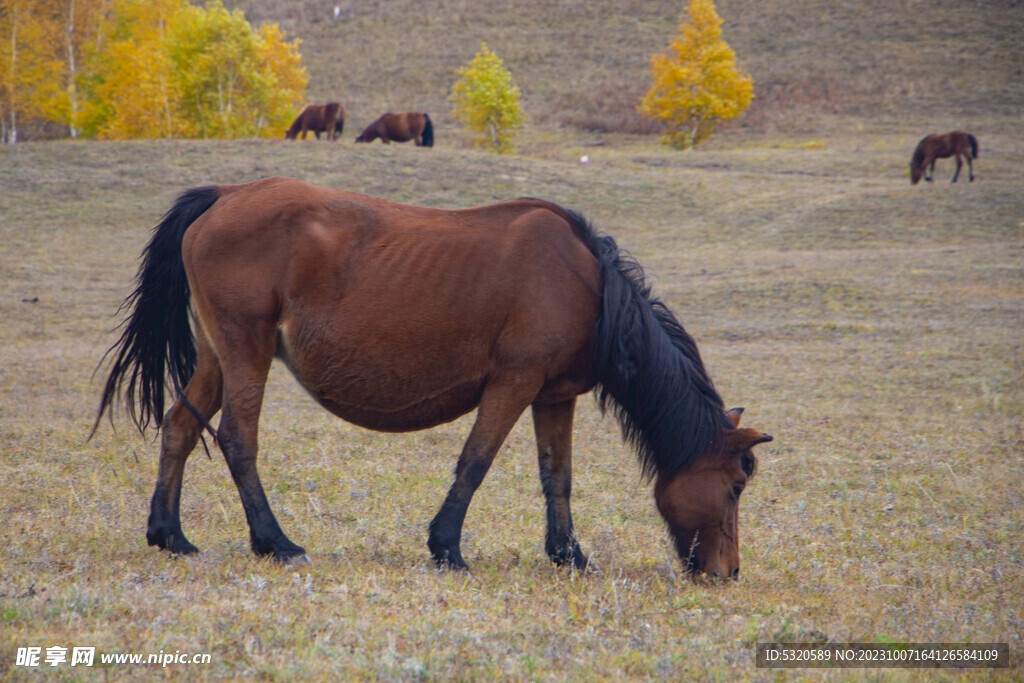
[734,416]
[745,439]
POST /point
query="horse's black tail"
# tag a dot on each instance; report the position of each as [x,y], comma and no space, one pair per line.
[974,145]
[156,337]
[648,367]
[428,132]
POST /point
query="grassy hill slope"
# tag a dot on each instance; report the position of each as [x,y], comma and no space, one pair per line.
[819,66]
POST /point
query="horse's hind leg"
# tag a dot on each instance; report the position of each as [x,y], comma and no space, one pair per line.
[552,424]
[970,168]
[180,431]
[244,383]
[959,164]
[503,401]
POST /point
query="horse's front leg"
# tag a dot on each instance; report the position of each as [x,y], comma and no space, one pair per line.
[179,433]
[552,424]
[503,401]
[930,175]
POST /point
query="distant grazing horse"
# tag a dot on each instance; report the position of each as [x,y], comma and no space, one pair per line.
[411,125]
[936,146]
[320,118]
[399,318]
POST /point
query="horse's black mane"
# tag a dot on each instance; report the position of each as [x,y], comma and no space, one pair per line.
[648,368]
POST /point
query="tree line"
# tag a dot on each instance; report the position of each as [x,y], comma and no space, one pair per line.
[116,69]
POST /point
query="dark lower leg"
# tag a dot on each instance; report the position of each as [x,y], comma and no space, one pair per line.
[239,446]
[180,431]
[445,535]
[503,401]
[164,525]
[553,428]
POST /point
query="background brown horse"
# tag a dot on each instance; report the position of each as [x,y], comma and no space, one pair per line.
[390,127]
[398,318]
[320,118]
[936,146]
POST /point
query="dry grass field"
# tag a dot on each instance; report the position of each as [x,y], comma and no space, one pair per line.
[873,327]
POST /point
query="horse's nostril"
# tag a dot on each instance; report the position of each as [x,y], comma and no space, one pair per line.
[735,576]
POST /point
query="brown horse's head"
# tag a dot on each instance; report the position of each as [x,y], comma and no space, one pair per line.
[916,171]
[369,133]
[701,502]
[920,159]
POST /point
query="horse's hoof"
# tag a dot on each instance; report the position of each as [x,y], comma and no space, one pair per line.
[445,567]
[296,560]
[573,558]
[451,562]
[171,541]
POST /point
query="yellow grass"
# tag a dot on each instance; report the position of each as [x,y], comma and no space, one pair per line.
[871,326]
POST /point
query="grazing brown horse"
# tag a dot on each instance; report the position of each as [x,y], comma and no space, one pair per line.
[398,318]
[936,146]
[320,118]
[412,125]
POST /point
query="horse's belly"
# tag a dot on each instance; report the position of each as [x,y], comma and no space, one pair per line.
[382,385]
[429,412]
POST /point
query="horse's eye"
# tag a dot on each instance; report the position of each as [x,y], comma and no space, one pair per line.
[749,463]
[737,489]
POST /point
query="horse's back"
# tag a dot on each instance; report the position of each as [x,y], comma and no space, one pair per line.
[364,294]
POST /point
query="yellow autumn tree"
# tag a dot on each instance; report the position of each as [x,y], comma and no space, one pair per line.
[132,94]
[696,84]
[30,66]
[167,68]
[220,67]
[80,37]
[487,101]
[286,79]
